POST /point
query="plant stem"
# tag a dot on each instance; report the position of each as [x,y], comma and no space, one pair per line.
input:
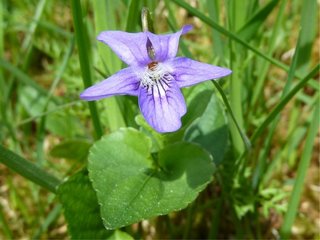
[83,47]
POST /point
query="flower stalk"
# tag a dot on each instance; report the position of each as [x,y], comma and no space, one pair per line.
[83,47]
[146,20]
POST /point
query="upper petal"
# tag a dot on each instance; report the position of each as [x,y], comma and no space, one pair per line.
[162,106]
[130,47]
[124,82]
[188,72]
[166,46]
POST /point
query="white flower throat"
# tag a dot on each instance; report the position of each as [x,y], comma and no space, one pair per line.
[156,78]
[153,74]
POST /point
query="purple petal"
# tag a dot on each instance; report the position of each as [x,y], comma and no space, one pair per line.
[124,82]
[188,72]
[166,46]
[130,47]
[162,106]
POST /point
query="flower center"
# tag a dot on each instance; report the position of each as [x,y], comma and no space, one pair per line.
[157,77]
[155,72]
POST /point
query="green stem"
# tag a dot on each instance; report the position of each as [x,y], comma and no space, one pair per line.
[83,47]
[236,11]
[28,170]
[56,109]
[146,20]
[245,139]
[236,98]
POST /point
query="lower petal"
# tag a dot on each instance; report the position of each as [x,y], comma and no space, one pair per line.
[124,82]
[162,106]
[188,72]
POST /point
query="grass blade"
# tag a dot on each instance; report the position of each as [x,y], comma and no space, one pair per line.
[23,77]
[214,13]
[4,226]
[133,16]
[263,67]
[262,160]
[83,47]
[309,26]
[28,170]
[283,103]
[52,216]
[104,19]
[40,134]
[174,27]
[302,171]
[103,13]
[251,27]
[229,34]
[33,26]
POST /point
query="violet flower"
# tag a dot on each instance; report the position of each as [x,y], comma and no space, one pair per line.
[154,74]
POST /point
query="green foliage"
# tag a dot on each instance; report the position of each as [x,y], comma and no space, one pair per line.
[71,149]
[83,216]
[131,186]
[258,126]
[28,169]
[210,130]
[251,27]
[60,123]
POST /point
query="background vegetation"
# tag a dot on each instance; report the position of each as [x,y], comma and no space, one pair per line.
[267,191]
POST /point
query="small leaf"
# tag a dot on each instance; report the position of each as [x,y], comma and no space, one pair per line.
[61,123]
[210,130]
[71,149]
[197,99]
[81,208]
[64,124]
[119,235]
[131,187]
[33,101]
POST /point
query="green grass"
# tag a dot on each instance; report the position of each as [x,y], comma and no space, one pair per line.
[49,54]
[84,57]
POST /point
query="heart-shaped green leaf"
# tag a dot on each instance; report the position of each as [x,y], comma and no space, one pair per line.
[131,186]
